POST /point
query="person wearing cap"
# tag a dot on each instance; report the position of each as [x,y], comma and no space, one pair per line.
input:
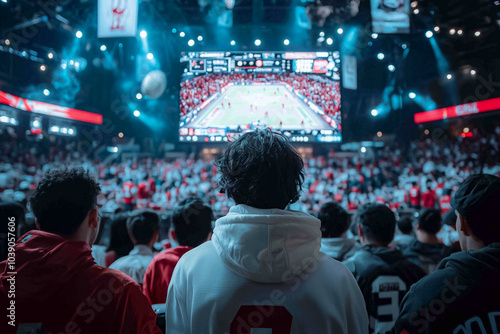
[463,294]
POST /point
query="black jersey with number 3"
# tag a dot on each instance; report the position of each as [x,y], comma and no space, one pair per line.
[384,277]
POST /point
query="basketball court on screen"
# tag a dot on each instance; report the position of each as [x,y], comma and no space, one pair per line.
[261,105]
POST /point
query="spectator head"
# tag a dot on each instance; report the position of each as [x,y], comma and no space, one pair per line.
[429,221]
[143,227]
[376,224]
[476,206]
[405,225]
[261,169]
[12,219]
[65,203]
[334,220]
[119,239]
[191,222]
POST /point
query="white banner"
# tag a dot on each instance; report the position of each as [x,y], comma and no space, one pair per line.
[117,18]
[349,72]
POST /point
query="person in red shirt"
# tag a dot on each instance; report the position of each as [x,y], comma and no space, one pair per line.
[58,286]
[444,203]
[429,199]
[415,196]
[191,226]
[129,191]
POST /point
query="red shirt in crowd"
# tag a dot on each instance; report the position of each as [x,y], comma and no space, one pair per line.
[444,204]
[429,199]
[159,273]
[128,192]
[415,196]
[143,190]
[59,285]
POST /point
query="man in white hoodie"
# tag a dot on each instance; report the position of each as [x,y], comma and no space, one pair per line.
[262,271]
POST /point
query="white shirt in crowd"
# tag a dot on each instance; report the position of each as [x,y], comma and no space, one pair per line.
[135,263]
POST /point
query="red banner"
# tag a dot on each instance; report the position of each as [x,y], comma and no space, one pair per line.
[457,111]
[49,109]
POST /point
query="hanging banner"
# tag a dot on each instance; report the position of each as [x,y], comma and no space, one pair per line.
[117,18]
[349,72]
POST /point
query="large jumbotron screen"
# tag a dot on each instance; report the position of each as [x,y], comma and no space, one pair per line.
[224,94]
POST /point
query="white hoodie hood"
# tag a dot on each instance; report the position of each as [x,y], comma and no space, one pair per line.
[267,245]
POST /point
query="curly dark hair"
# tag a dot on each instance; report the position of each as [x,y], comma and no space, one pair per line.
[62,200]
[377,222]
[334,220]
[261,169]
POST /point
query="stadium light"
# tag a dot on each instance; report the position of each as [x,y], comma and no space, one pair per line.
[374,112]
[182,34]
[473,72]
[374,36]
[43,68]
[429,34]
[200,38]
[452,31]
[257,42]
[412,95]
[437,29]
[329,41]
[449,76]
[103,47]
[460,32]
[391,68]
[137,113]
[286,42]
[340,31]
[466,129]
[138,96]
[35,123]
[79,34]
[380,56]
[363,149]
[120,134]
[4,1]
[379,134]
[416,11]
[150,56]
[46,92]
[233,42]
[477,33]
[191,42]
[322,34]
[71,131]
[144,34]
[7,41]
[174,30]
[50,55]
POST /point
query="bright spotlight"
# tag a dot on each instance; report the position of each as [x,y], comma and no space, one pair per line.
[257,42]
[437,29]
[71,131]
[36,123]
[391,68]
[477,33]
[329,41]
[103,47]
[322,34]
[412,95]
[137,113]
[466,130]
[380,56]
[374,112]
[182,34]
[200,38]
[473,72]
[449,76]
[379,134]
[138,96]
[43,68]
[374,36]
[460,31]
[429,34]
[452,31]
[72,62]
[144,34]
[233,42]
[150,56]
[286,42]
[363,149]
[46,92]
[416,11]
[120,134]
[191,42]
[79,34]
[340,31]
[7,42]
[50,55]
